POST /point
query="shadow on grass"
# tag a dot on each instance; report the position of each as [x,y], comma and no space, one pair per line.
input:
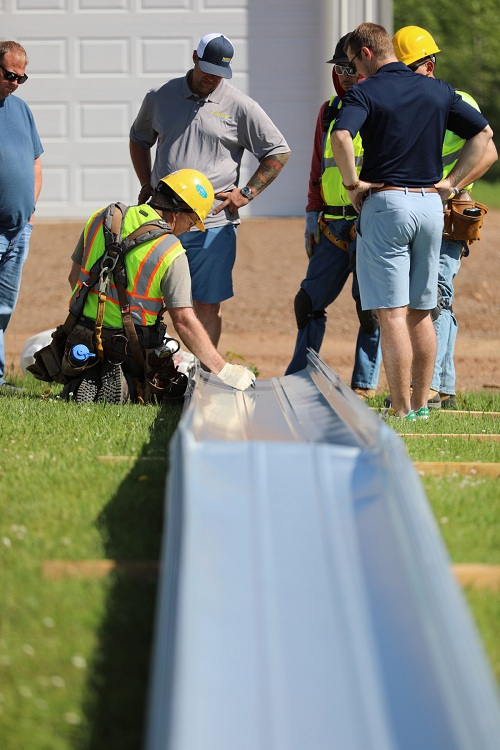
[132,526]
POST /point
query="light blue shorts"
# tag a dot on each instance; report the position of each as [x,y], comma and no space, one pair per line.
[211,257]
[398,244]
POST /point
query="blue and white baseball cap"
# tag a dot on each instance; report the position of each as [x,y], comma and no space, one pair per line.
[215,52]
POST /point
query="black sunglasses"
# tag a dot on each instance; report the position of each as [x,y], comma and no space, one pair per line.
[10,76]
[351,62]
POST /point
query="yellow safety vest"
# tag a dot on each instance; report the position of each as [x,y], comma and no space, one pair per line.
[332,190]
[453,143]
[146,265]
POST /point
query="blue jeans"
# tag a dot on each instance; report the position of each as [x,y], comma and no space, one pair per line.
[443,379]
[327,273]
[13,254]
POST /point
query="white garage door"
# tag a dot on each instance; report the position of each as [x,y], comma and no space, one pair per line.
[91,63]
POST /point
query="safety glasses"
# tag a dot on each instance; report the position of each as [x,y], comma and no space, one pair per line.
[193,221]
[345,70]
[10,76]
[416,65]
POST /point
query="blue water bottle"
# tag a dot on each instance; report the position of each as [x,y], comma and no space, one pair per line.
[79,355]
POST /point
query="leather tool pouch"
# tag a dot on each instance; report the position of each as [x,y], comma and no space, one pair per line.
[79,335]
[460,226]
[165,384]
[48,361]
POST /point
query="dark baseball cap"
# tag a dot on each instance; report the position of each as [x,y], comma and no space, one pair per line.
[215,53]
[339,56]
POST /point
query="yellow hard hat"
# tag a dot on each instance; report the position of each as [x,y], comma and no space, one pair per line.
[193,189]
[411,43]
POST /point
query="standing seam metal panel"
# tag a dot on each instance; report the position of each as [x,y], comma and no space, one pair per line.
[311,604]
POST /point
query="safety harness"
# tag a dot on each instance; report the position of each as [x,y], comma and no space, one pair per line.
[48,363]
[111,265]
[329,115]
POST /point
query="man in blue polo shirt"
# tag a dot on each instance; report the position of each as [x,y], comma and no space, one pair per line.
[417,48]
[402,118]
[20,184]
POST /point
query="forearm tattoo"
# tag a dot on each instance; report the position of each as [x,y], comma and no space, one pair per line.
[268,170]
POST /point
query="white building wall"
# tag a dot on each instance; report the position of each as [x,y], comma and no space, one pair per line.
[92,61]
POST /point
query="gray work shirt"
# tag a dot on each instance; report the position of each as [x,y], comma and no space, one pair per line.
[210,134]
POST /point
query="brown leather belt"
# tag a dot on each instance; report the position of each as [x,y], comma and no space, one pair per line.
[410,190]
[343,244]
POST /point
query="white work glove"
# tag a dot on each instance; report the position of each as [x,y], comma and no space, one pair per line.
[237,376]
[312,233]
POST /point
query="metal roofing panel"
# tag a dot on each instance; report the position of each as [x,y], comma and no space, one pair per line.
[306,599]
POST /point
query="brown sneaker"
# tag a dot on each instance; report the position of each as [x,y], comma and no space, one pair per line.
[434,400]
[364,393]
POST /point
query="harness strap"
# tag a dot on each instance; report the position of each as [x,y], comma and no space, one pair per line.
[98,326]
[69,323]
[112,227]
[151,230]
[128,325]
[330,113]
[116,248]
[340,211]
[325,229]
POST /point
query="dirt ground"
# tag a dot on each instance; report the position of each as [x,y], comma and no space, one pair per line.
[259,323]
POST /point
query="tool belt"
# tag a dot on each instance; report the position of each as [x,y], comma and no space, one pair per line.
[458,225]
[158,383]
[344,245]
[51,362]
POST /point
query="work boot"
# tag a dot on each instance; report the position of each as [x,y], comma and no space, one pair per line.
[434,400]
[364,393]
[87,390]
[448,401]
[7,389]
[114,387]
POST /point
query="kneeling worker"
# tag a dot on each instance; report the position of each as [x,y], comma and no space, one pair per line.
[128,268]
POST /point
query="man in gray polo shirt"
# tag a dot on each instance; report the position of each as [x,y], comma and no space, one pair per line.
[202,122]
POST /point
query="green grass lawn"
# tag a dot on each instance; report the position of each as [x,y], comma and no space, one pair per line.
[74,652]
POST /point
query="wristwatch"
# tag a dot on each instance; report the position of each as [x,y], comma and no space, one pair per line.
[354,185]
[246,192]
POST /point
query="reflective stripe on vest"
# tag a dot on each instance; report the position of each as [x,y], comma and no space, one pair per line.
[334,194]
[453,144]
[146,265]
